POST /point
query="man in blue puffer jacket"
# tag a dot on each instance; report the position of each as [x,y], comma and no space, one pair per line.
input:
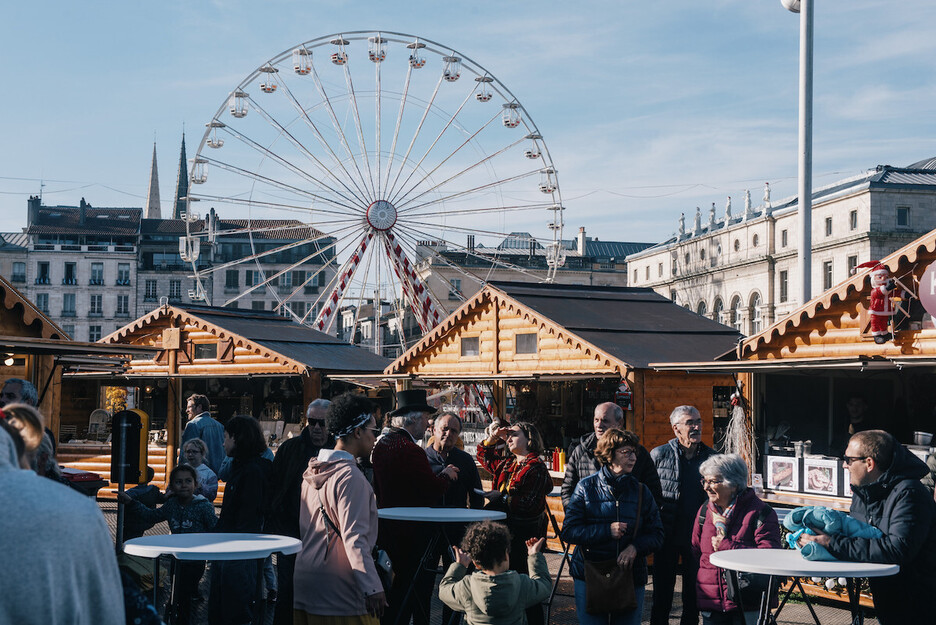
[885,480]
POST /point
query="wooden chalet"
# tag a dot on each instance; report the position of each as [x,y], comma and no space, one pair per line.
[246,362]
[550,353]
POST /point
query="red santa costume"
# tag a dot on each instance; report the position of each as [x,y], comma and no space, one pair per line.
[881,305]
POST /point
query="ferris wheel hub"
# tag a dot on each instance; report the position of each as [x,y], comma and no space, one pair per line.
[381,215]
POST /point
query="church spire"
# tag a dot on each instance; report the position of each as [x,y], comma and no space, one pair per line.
[181,184]
[151,211]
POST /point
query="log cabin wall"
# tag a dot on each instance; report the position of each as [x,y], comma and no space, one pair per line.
[662,391]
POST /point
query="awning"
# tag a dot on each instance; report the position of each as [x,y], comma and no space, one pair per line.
[794,364]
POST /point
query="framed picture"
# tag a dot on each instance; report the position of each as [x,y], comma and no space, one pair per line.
[821,476]
[846,483]
[783,473]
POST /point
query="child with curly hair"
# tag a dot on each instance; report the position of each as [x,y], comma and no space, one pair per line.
[494,593]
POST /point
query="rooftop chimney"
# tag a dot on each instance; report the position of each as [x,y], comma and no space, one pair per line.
[81,211]
[32,209]
[580,241]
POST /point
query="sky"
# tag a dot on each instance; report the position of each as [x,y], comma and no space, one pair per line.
[648,109]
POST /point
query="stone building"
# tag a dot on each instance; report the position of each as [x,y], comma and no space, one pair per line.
[740,267]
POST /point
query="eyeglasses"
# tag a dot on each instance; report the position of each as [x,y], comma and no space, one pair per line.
[375,431]
[319,422]
[694,423]
[849,459]
[627,451]
[711,483]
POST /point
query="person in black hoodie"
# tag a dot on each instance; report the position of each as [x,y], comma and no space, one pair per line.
[887,493]
[232,597]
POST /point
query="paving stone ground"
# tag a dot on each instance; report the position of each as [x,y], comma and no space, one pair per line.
[563,609]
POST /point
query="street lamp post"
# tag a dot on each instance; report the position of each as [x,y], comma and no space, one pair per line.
[805,9]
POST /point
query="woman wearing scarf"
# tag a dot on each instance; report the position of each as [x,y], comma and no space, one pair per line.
[733,518]
[601,520]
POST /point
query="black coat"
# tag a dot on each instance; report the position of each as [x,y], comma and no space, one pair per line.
[582,463]
[291,461]
[904,510]
[461,493]
[666,459]
[592,509]
[243,508]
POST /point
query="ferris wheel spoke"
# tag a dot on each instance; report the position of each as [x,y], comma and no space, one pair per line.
[295,208]
[343,139]
[360,129]
[275,183]
[457,174]
[482,187]
[419,126]
[399,122]
[351,241]
[309,278]
[377,149]
[342,280]
[448,123]
[472,211]
[354,197]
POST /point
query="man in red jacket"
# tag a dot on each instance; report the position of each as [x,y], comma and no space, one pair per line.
[403,478]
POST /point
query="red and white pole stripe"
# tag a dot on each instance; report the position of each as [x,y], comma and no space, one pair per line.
[338,292]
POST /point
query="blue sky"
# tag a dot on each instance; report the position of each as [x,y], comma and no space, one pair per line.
[649,109]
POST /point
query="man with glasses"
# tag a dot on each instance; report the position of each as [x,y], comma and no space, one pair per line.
[677,463]
[887,493]
[289,463]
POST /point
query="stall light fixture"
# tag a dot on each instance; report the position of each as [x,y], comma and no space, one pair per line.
[8,361]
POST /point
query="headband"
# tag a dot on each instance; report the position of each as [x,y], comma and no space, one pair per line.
[361,420]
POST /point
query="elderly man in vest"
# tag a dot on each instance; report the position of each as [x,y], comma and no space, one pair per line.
[677,464]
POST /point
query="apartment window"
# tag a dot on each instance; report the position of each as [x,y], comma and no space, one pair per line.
[737,318]
[123,305]
[903,216]
[257,305]
[672,295]
[123,274]
[635,276]
[737,245]
[755,241]
[700,309]
[298,278]
[784,239]
[231,279]
[659,270]
[42,273]
[470,346]
[68,305]
[175,290]
[97,273]
[784,286]
[647,272]
[94,333]
[828,226]
[231,305]
[755,313]
[454,289]
[149,293]
[97,306]
[251,277]
[71,274]
[852,264]
[702,254]
[69,329]
[853,220]
[19,272]
[526,343]
[688,258]
[717,308]
[42,302]
[827,275]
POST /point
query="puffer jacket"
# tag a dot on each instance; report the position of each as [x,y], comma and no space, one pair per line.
[501,599]
[666,459]
[752,525]
[582,463]
[904,510]
[592,509]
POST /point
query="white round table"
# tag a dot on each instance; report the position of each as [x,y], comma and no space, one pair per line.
[791,563]
[212,546]
[440,515]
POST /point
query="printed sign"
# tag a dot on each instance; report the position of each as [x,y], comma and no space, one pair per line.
[928,289]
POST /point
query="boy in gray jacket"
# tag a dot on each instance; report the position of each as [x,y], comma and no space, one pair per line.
[493,594]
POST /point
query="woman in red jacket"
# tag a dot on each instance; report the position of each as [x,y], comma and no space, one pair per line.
[521,483]
[733,518]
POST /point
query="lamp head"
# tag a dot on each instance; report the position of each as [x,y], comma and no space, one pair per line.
[791,5]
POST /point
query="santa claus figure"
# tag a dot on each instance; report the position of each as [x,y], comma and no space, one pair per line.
[882,303]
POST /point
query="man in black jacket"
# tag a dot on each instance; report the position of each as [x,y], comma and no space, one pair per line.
[887,493]
[582,462]
[677,463]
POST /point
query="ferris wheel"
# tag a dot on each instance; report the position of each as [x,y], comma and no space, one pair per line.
[393,158]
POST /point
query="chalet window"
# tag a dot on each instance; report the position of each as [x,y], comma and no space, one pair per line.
[903,216]
[526,343]
[470,346]
[205,351]
[97,274]
[784,286]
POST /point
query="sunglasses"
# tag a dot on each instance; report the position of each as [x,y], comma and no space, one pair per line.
[318,422]
[849,459]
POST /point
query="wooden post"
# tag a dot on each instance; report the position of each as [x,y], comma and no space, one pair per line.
[499,392]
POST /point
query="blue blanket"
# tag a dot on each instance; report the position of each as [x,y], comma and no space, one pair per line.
[818,519]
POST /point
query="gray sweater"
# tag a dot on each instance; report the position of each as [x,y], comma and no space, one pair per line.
[496,599]
[58,563]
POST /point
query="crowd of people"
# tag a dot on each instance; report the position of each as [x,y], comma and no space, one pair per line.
[681,502]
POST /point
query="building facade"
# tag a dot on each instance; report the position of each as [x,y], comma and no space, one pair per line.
[742,270]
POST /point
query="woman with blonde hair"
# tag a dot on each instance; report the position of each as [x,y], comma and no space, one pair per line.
[31,426]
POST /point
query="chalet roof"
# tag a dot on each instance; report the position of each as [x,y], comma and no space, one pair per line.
[267,330]
[635,326]
[97,221]
[907,264]
[14,302]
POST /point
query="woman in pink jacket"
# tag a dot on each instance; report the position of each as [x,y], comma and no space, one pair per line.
[733,518]
[336,580]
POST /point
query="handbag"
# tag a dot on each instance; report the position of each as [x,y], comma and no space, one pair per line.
[381,560]
[608,586]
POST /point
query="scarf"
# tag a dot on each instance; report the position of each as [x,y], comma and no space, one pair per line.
[720,520]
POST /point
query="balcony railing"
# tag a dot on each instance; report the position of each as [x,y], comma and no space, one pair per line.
[18,277]
[96,282]
[70,281]
[43,280]
[125,282]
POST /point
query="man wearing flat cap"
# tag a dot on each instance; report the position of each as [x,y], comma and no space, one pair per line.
[404,478]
